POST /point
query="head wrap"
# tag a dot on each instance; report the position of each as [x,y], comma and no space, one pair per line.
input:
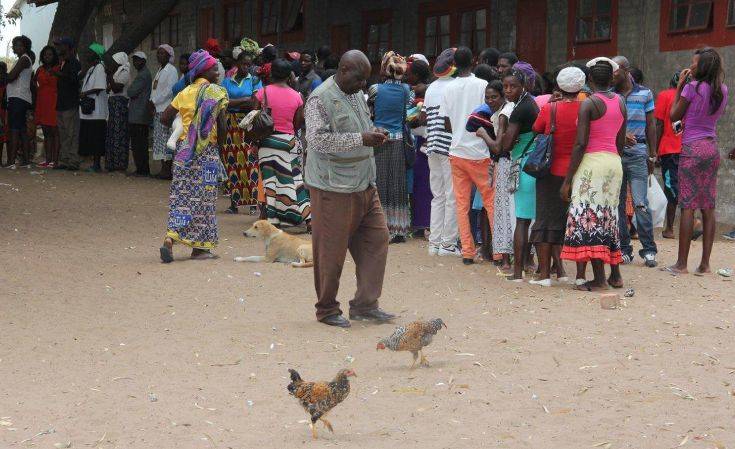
[212,46]
[249,47]
[141,55]
[593,62]
[293,55]
[199,62]
[571,79]
[393,65]
[122,60]
[528,72]
[418,57]
[170,50]
[444,65]
[97,49]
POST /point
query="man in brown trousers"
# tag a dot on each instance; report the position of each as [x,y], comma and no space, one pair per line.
[345,208]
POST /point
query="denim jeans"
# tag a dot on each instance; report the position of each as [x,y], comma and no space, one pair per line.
[635,171]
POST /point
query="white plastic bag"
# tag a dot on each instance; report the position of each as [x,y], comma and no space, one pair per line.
[177,128]
[656,202]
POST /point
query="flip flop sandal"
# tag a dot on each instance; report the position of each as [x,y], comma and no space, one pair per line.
[205,256]
[669,270]
[167,255]
[583,287]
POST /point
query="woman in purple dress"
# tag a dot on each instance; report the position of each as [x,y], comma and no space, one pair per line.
[701,97]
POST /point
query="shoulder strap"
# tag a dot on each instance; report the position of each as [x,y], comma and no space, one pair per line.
[265,97]
[553,118]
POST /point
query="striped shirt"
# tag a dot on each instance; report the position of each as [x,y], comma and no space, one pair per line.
[639,102]
[437,139]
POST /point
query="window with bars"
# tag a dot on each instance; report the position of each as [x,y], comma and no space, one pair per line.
[167,32]
[437,35]
[691,15]
[205,25]
[473,29]
[290,13]
[594,21]
[233,21]
[378,40]
[731,13]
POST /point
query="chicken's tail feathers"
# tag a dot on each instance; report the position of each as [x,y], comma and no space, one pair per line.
[295,381]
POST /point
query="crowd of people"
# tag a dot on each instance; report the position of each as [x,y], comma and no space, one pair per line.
[365,158]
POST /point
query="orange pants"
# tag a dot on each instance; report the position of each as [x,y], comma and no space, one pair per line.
[465,173]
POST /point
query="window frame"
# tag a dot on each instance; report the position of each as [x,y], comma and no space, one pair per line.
[156,34]
[474,10]
[687,29]
[455,11]
[286,36]
[376,17]
[591,49]
[226,7]
[730,21]
[719,34]
[594,19]
[206,12]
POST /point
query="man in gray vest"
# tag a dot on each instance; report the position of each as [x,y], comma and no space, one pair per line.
[345,208]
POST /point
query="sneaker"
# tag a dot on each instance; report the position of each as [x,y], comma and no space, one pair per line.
[12,167]
[729,236]
[433,250]
[627,259]
[650,259]
[450,251]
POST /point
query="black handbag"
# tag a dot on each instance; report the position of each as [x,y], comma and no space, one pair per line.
[538,163]
[87,104]
[263,121]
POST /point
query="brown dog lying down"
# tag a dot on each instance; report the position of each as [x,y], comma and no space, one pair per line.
[279,246]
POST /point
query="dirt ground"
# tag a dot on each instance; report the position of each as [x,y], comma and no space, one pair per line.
[103,346]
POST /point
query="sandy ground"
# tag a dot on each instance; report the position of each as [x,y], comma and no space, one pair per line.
[104,346]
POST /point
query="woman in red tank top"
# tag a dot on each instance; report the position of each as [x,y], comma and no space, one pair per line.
[593,182]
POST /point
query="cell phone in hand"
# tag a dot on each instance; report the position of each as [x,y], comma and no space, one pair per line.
[678,127]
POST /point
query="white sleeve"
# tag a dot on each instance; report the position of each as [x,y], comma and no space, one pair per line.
[445,104]
[122,77]
[99,78]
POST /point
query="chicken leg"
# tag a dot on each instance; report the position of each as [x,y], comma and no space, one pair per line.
[415,356]
[327,424]
[313,431]
[424,360]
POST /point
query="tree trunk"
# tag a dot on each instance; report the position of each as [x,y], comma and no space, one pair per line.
[72,17]
[142,26]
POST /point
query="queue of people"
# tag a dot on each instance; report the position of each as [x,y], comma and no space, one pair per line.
[441,149]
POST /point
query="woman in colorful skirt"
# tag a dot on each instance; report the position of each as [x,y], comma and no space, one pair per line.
[699,104]
[389,101]
[239,157]
[593,181]
[419,78]
[518,140]
[117,141]
[196,169]
[279,157]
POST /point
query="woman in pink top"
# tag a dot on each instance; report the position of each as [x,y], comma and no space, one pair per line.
[594,178]
[699,104]
[279,157]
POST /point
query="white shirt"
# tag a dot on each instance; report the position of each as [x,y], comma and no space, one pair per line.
[437,139]
[163,82]
[21,86]
[505,110]
[460,98]
[96,78]
[121,77]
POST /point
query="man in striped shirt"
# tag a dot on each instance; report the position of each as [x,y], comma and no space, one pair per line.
[638,157]
[444,232]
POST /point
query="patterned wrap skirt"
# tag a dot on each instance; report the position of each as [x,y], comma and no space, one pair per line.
[117,140]
[698,164]
[193,199]
[592,222]
[504,207]
[390,164]
[241,163]
[286,198]
[160,136]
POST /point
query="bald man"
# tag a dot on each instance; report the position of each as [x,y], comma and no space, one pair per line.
[345,208]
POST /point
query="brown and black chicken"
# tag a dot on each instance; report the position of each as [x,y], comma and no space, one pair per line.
[318,398]
[413,337]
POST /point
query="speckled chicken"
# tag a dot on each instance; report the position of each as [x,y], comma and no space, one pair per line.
[318,398]
[413,337]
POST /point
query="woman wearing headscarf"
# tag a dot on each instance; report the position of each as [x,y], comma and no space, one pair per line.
[519,141]
[161,95]
[286,198]
[389,101]
[592,183]
[93,124]
[117,144]
[239,157]
[548,230]
[193,197]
